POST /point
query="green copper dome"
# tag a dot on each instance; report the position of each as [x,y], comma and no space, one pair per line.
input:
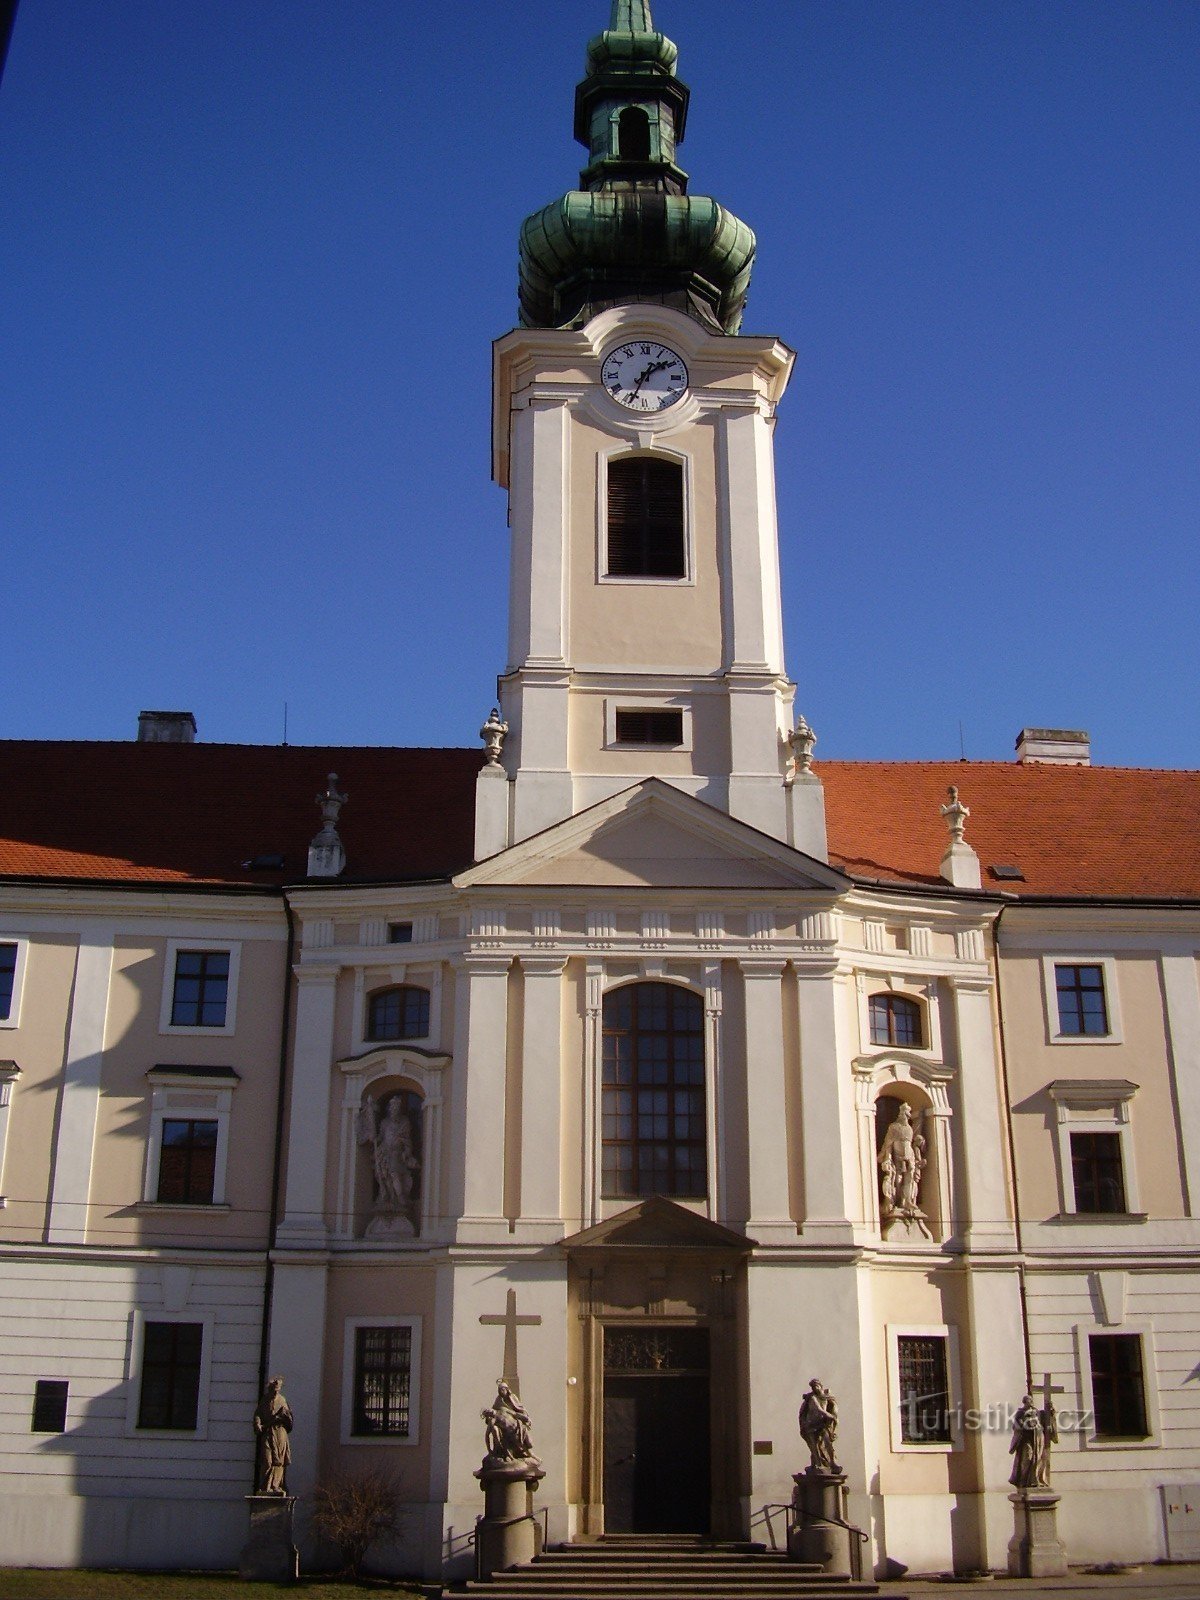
[631,232]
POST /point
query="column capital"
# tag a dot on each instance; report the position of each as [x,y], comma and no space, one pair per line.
[316,972]
[761,966]
[543,966]
[482,963]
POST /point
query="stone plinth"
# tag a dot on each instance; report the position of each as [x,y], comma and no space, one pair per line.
[1035,1550]
[508,1532]
[270,1553]
[819,1534]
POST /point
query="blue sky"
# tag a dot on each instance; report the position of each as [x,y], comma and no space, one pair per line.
[253,254]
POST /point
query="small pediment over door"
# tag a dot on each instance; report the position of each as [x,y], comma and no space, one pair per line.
[658,1225]
[655,836]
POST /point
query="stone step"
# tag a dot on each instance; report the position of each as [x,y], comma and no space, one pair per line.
[501,1587]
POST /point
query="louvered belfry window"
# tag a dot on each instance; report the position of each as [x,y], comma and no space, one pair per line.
[645,518]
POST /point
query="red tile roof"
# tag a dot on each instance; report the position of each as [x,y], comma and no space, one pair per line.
[167,813]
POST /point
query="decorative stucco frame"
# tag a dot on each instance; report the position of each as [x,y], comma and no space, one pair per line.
[418,1069]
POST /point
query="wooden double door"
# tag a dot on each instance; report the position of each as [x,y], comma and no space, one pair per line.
[657,1446]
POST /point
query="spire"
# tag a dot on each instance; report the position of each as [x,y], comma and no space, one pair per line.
[631,232]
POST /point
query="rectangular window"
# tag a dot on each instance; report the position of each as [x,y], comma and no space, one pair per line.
[924,1389]
[49,1406]
[1097,1172]
[645,518]
[8,974]
[1082,1010]
[400,932]
[663,727]
[187,1162]
[1118,1390]
[382,1381]
[170,1391]
[201,989]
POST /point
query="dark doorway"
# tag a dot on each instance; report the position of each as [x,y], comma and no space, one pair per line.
[656,1430]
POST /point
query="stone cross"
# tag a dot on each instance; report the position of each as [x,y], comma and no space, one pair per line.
[510,1322]
[1049,1389]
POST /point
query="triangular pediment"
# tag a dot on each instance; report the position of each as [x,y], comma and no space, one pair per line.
[654,836]
[657,1224]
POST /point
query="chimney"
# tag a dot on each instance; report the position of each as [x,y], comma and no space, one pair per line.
[166,727]
[1054,747]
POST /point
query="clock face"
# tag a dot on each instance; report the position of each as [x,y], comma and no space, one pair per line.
[644,376]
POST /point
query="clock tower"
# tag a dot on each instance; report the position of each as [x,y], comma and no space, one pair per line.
[632,427]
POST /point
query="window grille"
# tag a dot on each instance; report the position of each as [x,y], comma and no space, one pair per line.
[382,1381]
[924,1390]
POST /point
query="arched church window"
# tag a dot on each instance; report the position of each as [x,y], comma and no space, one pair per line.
[896,1020]
[633,134]
[645,518]
[653,1108]
[399,1013]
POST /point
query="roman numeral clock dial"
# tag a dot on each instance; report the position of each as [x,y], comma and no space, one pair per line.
[644,376]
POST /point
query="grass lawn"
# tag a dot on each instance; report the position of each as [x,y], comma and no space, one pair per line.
[46,1583]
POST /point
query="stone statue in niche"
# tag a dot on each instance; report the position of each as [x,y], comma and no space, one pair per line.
[272,1425]
[387,1125]
[506,1431]
[902,1160]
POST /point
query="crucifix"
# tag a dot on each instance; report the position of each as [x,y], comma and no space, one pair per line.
[1049,1415]
[510,1322]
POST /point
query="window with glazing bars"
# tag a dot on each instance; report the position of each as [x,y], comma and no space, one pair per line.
[201,989]
[645,518]
[170,1391]
[401,1013]
[895,1020]
[653,1136]
[1096,1172]
[924,1390]
[1081,1004]
[382,1375]
[1118,1389]
[187,1161]
[8,972]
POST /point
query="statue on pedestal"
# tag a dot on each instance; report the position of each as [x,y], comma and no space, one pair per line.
[818,1420]
[272,1425]
[1033,1433]
[506,1431]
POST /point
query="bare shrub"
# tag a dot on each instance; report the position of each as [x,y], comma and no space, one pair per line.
[353,1511]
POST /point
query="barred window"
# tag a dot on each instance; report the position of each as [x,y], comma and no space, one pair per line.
[1118,1387]
[896,1020]
[187,1162]
[1082,1009]
[924,1388]
[1097,1173]
[401,1013]
[645,518]
[170,1392]
[382,1381]
[653,1107]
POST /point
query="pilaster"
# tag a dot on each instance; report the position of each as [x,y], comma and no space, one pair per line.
[1182,995]
[303,1220]
[826,1111]
[481,1024]
[766,1101]
[79,1102]
[541,1099]
[987,1208]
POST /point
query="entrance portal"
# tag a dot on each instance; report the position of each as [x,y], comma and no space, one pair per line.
[656,1430]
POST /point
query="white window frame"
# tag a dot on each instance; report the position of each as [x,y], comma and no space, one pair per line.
[1094,1105]
[13,1019]
[177,1093]
[369,980]
[137,1346]
[603,576]
[174,946]
[352,1325]
[646,702]
[933,1330]
[924,991]
[1108,967]
[1145,1332]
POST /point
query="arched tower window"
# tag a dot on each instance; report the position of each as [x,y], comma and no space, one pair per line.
[896,1020]
[645,518]
[399,1013]
[653,1110]
[633,134]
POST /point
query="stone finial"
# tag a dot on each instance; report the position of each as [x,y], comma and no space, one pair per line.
[960,864]
[803,741]
[493,733]
[326,857]
[956,815]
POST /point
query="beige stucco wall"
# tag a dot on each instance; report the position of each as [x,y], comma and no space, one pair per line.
[37,1046]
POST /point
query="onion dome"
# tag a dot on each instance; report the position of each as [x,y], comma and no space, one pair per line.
[631,232]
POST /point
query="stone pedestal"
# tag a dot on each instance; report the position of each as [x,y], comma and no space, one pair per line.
[270,1552]
[819,1534]
[508,1532]
[1035,1550]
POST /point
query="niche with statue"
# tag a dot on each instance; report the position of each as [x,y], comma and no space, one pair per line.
[907,1188]
[388,1187]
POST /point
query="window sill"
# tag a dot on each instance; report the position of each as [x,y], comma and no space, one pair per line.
[393,1439]
[1148,1443]
[187,1208]
[1100,1217]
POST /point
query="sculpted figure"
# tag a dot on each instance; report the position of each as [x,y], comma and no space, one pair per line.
[506,1428]
[272,1425]
[1031,1457]
[818,1421]
[395,1164]
[902,1160]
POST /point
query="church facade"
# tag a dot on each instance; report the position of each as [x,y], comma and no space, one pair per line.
[638,1058]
